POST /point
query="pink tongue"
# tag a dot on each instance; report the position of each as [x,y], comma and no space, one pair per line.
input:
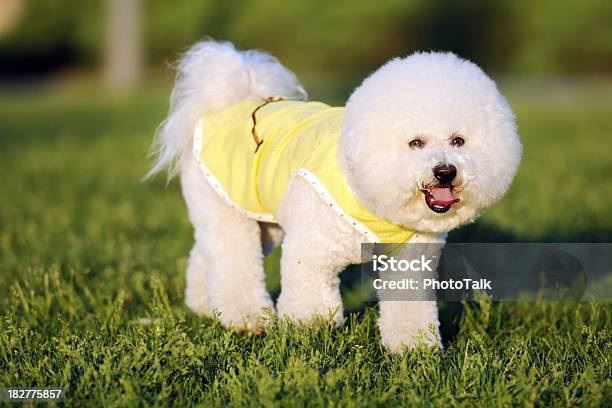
[443,196]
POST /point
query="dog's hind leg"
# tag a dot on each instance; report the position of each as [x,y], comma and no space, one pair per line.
[195,193]
[195,290]
[226,263]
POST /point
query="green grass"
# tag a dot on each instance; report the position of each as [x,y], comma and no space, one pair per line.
[87,252]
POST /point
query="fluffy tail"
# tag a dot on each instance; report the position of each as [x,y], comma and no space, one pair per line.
[212,76]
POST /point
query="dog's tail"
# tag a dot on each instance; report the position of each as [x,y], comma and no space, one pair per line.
[212,76]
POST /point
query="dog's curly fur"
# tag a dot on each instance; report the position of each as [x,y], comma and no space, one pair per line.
[427,96]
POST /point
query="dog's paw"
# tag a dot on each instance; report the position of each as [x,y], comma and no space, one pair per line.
[197,301]
[397,339]
[254,321]
[312,315]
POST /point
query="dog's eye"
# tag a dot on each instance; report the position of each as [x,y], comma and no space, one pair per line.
[457,141]
[416,144]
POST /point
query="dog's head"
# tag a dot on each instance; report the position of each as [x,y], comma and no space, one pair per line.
[428,142]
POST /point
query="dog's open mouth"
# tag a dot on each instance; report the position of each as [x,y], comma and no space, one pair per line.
[440,198]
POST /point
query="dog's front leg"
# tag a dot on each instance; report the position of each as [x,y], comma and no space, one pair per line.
[318,245]
[408,323]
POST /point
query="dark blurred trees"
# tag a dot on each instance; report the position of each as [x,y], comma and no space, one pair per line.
[51,34]
[546,36]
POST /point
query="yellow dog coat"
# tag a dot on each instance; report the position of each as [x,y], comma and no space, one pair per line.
[250,152]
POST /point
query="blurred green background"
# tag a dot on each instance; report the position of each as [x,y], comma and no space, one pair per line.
[345,38]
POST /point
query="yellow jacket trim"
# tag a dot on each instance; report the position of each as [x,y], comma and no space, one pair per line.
[295,139]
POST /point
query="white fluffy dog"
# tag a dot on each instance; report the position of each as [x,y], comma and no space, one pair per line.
[427,143]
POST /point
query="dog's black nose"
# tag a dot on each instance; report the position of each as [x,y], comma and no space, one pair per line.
[445,173]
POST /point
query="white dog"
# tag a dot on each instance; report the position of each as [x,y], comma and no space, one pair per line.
[424,145]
